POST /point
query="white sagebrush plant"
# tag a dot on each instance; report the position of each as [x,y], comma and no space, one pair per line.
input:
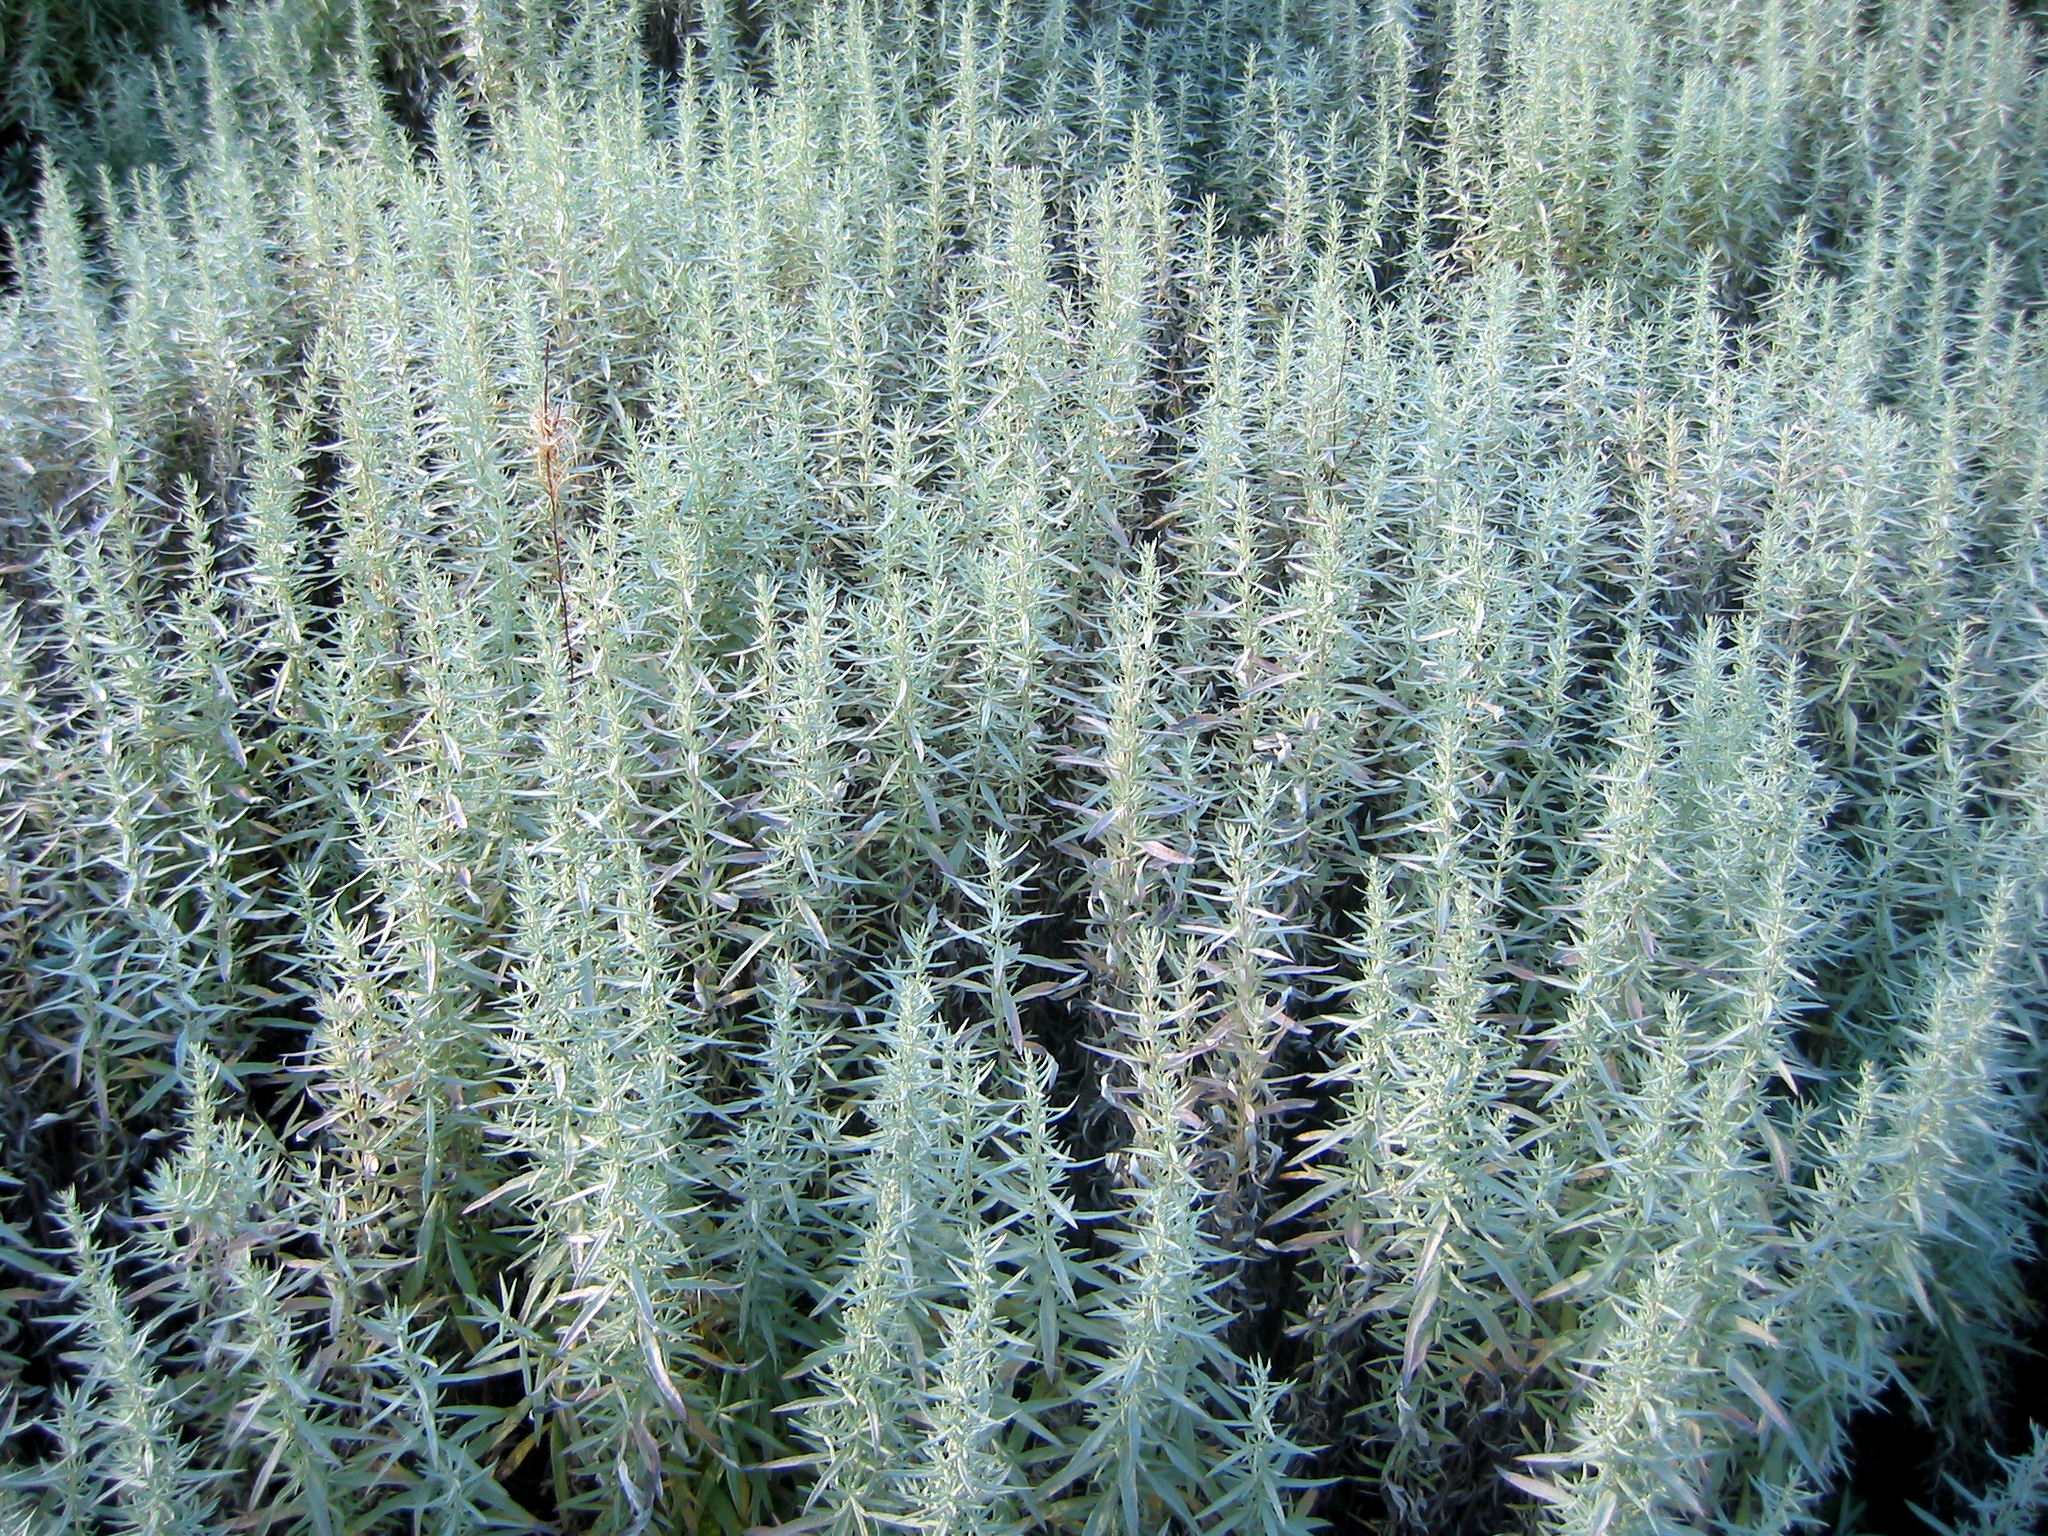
[1004,766]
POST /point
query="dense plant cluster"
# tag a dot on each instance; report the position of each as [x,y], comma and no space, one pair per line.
[1010,766]
[63,84]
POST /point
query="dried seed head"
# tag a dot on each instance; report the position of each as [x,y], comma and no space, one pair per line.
[554,445]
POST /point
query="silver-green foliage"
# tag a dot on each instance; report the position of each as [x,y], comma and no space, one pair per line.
[975,769]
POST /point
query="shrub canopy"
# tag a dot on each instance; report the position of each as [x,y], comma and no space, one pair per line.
[1023,767]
